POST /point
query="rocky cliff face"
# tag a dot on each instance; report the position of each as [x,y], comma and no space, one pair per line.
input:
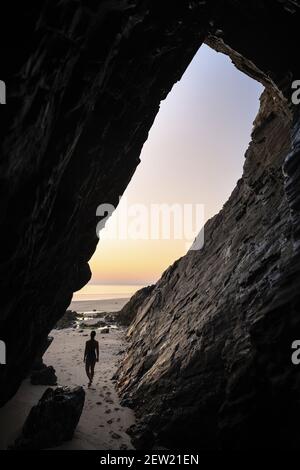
[129,311]
[84,82]
[191,345]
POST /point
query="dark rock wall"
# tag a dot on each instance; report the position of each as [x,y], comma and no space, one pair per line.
[84,82]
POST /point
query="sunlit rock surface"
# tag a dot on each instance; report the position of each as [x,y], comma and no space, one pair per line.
[130,309]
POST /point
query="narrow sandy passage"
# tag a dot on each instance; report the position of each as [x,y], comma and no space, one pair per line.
[103,422]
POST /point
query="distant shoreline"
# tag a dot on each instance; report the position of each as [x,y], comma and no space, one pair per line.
[105,293]
[100,305]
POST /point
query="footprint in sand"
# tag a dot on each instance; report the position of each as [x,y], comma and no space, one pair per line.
[99,403]
[108,411]
[115,435]
[110,421]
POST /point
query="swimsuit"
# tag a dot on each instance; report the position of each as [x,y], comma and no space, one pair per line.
[90,353]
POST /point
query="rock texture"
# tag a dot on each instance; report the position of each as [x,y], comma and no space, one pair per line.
[129,311]
[38,363]
[44,376]
[84,82]
[53,420]
[68,320]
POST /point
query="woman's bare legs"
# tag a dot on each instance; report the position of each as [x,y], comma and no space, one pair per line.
[87,370]
[92,371]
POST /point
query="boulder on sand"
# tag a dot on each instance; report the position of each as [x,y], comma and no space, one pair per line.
[93,324]
[104,330]
[38,363]
[68,320]
[53,420]
[44,376]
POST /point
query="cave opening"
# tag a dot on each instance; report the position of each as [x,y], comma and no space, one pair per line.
[194,154]
[208,362]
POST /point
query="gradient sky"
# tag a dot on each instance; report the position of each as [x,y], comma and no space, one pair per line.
[194,154]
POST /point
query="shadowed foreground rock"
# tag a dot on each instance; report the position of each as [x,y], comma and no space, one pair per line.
[38,363]
[53,420]
[45,376]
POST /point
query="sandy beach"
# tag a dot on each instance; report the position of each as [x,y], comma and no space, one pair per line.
[103,421]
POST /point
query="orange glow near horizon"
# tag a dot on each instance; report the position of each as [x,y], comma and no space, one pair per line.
[134,262]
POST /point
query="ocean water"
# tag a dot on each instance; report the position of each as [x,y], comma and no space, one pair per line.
[104,292]
[102,298]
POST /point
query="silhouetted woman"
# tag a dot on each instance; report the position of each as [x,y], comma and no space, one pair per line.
[91,356]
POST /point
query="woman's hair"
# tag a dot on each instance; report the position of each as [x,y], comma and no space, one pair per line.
[93,334]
